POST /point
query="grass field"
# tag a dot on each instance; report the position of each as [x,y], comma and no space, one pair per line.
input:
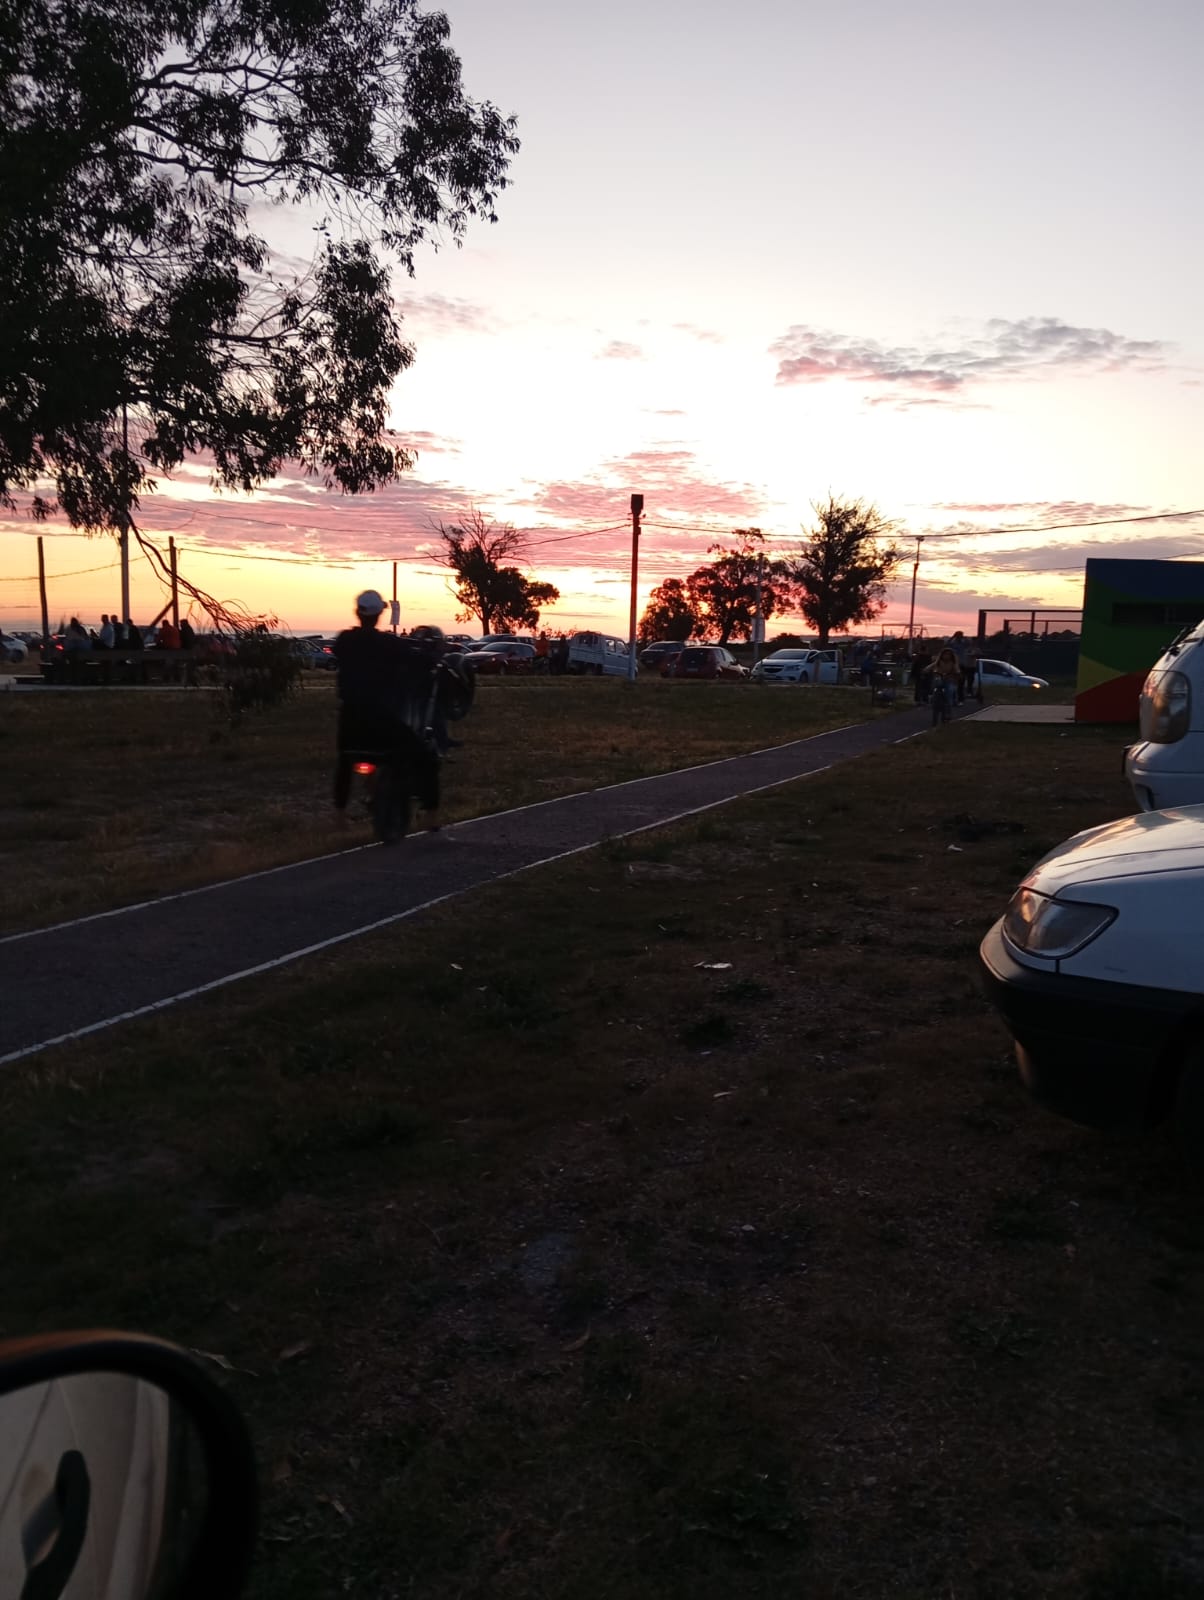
[110,798]
[669,1224]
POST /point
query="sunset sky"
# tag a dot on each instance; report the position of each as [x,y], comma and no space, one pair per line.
[943,257]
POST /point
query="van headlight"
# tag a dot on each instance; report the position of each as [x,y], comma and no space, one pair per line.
[1166,709]
[1052,929]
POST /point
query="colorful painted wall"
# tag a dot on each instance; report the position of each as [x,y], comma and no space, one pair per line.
[1131,612]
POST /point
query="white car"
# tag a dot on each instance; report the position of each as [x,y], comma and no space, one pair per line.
[13,649]
[1003,675]
[798,666]
[1096,968]
[1167,767]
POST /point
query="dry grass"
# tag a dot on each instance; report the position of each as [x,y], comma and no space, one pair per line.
[556,1264]
[110,798]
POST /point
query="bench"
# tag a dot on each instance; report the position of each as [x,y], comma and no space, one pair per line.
[121,666]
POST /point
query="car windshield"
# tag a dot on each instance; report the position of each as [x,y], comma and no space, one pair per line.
[789,655]
[693,657]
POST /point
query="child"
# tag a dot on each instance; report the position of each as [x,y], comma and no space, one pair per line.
[946,675]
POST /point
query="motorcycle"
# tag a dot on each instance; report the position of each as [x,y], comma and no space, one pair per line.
[390,774]
[944,698]
[126,1473]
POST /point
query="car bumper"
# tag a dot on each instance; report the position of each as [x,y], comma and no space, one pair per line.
[1156,784]
[1090,1050]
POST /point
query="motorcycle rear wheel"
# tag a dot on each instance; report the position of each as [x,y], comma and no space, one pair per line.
[391,805]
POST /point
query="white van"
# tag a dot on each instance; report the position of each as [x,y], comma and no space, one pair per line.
[597,653]
[1167,767]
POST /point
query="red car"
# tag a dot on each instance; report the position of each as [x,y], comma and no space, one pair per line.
[504,655]
[706,661]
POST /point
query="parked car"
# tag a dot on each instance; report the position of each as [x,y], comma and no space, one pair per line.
[1095,968]
[653,656]
[707,661]
[501,656]
[12,649]
[314,653]
[1003,675]
[598,654]
[798,666]
[1166,768]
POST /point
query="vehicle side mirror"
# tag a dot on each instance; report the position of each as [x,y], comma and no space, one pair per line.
[125,1473]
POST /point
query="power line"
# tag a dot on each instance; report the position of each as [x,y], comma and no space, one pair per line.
[1054,527]
[959,533]
[79,573]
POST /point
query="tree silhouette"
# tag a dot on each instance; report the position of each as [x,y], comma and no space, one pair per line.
[724,593]
[139,143]
[840,575]
[669,614]
[484,584]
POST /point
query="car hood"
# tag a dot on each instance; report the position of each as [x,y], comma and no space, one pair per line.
[1152,841]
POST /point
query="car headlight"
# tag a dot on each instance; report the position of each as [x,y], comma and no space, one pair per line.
[1166,709]
[1052,929]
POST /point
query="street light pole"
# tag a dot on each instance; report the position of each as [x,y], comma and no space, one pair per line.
[637,506]
[911,621]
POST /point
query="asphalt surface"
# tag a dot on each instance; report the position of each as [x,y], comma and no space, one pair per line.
[61,982]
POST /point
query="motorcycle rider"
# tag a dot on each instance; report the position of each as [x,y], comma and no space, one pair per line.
[384,689]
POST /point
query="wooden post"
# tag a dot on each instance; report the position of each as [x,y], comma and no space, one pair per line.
[175,584]
[42,593]
[395,595]
[125,516]
[637,506]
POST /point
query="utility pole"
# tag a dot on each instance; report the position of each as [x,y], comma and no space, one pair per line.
[45,608]
[125,513]
[394,609]
[175,583]
[915,568]
[637,506]
[758,632]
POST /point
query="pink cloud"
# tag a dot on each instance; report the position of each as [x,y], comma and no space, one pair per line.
[621,350]
[671,481]
[1030,347]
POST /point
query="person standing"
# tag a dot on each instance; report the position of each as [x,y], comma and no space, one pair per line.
[107,637]
[921,660]
[961,654]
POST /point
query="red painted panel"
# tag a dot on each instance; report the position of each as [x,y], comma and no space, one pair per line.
[1114,701]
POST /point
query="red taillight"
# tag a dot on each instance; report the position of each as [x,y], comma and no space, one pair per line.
[365,767]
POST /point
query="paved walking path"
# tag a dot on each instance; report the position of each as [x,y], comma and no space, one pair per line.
[1026,713]
[62,982]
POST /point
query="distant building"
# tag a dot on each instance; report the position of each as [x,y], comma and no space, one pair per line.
[1131,611]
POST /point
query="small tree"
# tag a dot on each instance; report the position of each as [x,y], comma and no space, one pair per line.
[724,593]
[498,595]
[669,614]
[840,574]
